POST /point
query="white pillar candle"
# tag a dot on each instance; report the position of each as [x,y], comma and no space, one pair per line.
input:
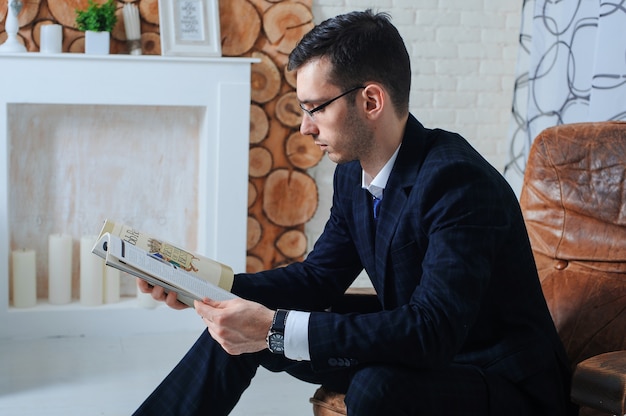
[145,300]
[111,285]
[50,39]
[59,269]
[24,278]
[91,273]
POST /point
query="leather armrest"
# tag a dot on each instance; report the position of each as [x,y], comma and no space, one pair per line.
[599,382]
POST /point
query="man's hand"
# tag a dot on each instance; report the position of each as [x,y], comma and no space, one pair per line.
[240,326]
[159,294]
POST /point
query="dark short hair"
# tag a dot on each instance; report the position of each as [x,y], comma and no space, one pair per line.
[361,46]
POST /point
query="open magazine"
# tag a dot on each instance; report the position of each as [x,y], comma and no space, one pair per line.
[159,263]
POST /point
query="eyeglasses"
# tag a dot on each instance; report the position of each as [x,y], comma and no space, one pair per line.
[327,103]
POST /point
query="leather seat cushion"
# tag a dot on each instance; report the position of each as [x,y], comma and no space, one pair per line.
[588,307]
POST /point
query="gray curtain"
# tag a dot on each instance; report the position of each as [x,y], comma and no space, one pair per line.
[571,68]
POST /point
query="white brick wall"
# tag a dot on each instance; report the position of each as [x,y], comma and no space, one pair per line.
[463,55]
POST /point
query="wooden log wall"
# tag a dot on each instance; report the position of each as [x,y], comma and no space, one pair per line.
[282,197]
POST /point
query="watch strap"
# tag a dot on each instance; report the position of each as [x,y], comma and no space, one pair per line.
[279,321]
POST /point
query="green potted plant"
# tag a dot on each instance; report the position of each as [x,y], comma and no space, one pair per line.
[97,21]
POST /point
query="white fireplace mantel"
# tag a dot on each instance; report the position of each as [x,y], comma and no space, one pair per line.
[219,86]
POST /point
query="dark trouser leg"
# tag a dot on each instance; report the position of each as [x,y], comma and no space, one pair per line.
[456,390]
[209,381]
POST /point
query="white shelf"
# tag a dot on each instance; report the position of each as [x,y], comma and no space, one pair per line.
[128,58]
[45,306]
[123,318]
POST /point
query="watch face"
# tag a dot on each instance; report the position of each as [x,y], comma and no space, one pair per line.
[277,342]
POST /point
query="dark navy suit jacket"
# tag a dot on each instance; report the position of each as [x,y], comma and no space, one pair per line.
[449,258]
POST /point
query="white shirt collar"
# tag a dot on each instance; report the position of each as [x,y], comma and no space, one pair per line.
[376,185]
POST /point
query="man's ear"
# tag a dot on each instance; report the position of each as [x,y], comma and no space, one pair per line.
[375,100]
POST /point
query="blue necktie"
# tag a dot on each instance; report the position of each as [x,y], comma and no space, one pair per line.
[376,207]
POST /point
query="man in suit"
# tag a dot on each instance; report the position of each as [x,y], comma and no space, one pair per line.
[463,327]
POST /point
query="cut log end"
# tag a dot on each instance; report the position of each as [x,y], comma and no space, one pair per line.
[289,198]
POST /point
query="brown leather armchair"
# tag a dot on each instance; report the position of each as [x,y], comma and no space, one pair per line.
[574,204]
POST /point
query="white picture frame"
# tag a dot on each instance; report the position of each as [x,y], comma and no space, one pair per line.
[190,28]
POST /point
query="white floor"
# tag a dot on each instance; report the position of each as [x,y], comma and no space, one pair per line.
[89,376]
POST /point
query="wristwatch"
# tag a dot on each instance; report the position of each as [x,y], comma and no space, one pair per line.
[276,335]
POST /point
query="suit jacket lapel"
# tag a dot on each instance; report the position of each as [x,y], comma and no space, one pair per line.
[397,191]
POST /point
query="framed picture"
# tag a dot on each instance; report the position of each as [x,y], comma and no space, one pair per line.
[190,28]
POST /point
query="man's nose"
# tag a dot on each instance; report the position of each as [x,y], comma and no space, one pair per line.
[307,126]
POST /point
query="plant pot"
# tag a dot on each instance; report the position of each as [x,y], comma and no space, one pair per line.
[97,43]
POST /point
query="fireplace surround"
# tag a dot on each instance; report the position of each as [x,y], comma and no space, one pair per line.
[196,107]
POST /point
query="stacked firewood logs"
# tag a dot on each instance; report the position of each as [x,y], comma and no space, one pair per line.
[282,197]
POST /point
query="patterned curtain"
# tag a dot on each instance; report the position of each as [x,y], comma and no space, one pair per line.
[571,68]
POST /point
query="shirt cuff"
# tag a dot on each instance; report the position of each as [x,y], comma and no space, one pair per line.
[297,336]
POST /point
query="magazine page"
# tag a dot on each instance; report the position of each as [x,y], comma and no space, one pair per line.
[102,247]
[156,271]
[207,269]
